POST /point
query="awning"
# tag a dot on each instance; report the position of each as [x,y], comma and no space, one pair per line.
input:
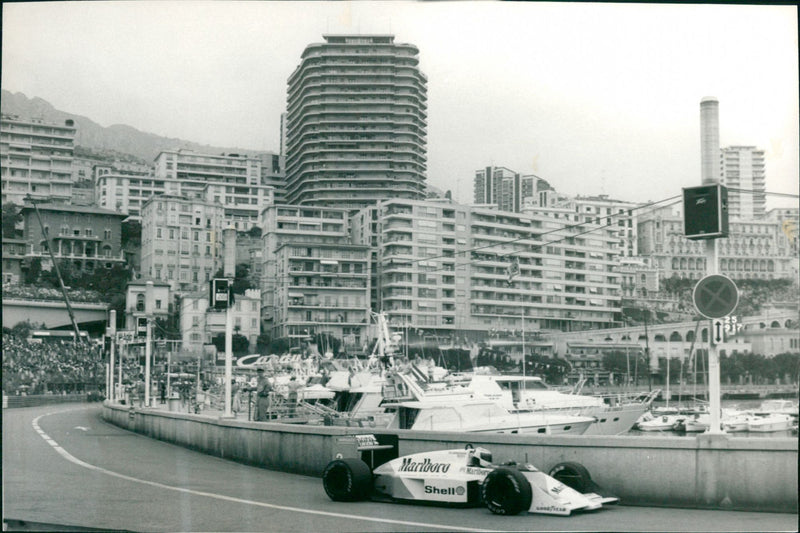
[296,295]
[329,262]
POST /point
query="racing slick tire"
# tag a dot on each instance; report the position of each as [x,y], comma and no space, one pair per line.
[506,491]
[347,480]
[573,475]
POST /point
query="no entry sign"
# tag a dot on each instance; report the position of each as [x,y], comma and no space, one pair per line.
[715,296]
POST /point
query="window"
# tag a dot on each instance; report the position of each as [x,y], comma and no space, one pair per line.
[140,302]
[158,304]
[158,233]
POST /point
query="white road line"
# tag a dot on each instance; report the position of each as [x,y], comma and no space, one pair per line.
[66,455]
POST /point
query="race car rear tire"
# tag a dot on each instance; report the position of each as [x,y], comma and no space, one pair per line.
[573,475]
[506,491]
[347,480]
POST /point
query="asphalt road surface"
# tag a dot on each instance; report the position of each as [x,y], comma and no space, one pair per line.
[64,466]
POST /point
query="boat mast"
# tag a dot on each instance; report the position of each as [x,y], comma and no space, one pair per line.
[58,271]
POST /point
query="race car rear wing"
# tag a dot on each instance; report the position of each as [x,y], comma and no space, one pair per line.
[374,450]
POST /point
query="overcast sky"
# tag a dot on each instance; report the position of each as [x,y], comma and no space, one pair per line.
[595,98]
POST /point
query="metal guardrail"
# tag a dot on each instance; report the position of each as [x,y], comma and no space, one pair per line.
[14,401]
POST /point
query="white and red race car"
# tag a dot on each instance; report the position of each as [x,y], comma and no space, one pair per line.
[466,477]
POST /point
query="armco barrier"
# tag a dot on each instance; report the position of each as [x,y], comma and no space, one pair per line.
[15,401]
[707,471]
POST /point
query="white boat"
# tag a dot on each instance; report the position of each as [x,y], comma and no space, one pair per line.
[659,423]
[483,416]
[615,415]
[697,423]
[786,407]
[738,422]
[770,423]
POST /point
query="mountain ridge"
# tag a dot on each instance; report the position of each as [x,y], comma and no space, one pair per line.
[120,138]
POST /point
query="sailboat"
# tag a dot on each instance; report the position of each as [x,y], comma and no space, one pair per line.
[661,419]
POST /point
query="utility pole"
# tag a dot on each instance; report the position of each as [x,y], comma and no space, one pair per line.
[58,271]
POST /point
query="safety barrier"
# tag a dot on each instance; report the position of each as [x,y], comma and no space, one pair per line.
[707,471]
[14,401]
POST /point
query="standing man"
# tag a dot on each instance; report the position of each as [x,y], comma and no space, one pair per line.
[263,390]
[294,388]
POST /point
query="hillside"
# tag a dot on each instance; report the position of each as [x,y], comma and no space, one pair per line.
[92,136]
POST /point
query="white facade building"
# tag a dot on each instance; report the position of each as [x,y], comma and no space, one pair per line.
[181,241]
[356,123]
[742,171]
[199,324]
[36,158]
[232,180]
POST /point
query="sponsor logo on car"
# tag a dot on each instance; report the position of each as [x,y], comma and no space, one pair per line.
[449,491]
[474,471]
[426,465]
[551,509]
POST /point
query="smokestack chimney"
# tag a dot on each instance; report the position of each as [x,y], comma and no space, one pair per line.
[709,140]
[229,264]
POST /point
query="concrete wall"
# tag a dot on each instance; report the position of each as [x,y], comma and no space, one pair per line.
[707,471]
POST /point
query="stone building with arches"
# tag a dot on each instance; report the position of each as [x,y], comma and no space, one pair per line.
[754,249]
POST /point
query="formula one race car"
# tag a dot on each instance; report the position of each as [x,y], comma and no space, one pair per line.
[466,477]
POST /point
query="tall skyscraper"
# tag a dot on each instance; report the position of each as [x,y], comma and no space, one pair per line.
[506,189]
[356,123]
[743,174]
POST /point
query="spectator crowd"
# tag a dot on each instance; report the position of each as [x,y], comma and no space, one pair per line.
[31,292]
[50,367]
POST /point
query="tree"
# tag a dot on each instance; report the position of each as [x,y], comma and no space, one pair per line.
[11,215]
[617,362]
[255,232]
[280,345]
[239,343]
[241,278]
[262,343]
[34,270]
[131,233]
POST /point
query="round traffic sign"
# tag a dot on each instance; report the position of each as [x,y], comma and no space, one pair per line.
[715,296]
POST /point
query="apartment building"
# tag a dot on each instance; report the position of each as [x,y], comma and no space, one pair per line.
[754,249]
[13,259]
[89,237]
[309,261]
[200,324]
[742,170]
[232,180]
[126,188]
[618,215]
[181,241]
[506,189]
[273,174]
[36,159]
[147,298]
[356,123]
[443,270]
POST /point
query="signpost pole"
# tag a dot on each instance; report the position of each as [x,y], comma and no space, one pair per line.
[229,272]
[119,382]
[147,352]
[112,340]
[714,404]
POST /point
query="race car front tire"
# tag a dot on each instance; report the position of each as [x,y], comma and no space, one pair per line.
[573,475]
[347,480]
[506,491]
